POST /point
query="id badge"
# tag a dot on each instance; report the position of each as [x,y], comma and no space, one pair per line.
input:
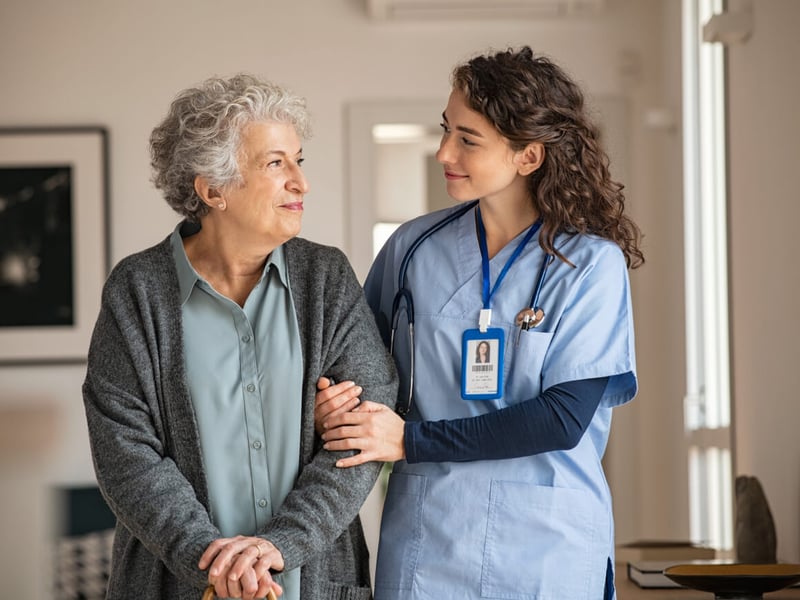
[482,364]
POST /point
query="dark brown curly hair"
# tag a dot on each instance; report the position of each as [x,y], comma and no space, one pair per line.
[528,99]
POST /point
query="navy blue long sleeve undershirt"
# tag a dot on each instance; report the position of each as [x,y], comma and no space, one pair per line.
[554,420]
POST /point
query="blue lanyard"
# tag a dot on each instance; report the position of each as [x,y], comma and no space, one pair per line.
[488,291]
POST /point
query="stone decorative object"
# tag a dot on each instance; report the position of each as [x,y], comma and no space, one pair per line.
[756,541]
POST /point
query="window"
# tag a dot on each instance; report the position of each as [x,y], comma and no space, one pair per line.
[707,403]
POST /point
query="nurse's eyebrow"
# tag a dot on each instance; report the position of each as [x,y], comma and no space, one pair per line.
[462,128]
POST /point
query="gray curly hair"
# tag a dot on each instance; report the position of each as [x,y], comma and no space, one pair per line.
[201,135]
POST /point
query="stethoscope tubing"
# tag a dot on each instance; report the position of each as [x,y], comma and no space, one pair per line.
[540,281]
[404,294]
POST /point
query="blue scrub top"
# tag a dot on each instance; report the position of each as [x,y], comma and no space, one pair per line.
[533,528]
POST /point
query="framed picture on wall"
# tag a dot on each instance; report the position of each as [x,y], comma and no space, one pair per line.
[54,242]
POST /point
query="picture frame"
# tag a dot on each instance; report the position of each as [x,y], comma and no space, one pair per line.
[54,241]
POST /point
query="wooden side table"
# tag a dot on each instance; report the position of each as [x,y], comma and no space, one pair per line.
[628,590]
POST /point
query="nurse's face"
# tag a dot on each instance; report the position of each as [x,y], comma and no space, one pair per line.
[478,161]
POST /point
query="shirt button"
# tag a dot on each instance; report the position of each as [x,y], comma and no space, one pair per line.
[245,338]
[257,445]
[262,503]
[251,387]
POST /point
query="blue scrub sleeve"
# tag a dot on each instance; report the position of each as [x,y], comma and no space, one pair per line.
[554,420]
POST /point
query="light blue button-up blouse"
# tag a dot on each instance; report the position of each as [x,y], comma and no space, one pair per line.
[244,368]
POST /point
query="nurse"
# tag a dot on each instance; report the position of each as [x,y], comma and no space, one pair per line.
[497,489]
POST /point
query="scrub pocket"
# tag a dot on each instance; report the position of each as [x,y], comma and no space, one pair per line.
[525,353]
[401,532]
[539,543]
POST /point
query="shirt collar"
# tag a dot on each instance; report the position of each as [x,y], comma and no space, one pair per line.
[188,277]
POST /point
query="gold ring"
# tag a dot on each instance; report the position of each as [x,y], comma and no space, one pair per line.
[258,547]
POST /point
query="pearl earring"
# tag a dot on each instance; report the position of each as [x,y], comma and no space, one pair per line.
[221,206]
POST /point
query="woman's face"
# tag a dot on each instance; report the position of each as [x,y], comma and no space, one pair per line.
[269,203]
[483,347]
[478,161]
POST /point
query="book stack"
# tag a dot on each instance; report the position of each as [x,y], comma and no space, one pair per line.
[646,560]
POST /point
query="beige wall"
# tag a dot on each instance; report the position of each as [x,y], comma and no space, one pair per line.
[118,64]
[765,279]
[646,459]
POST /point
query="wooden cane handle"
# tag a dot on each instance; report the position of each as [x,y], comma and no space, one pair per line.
[209,594]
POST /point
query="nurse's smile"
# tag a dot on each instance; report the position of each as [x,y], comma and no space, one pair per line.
[450,176]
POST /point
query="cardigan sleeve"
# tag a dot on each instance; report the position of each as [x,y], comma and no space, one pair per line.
[145,488]
[341,340]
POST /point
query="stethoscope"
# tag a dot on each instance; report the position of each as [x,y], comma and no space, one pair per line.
[526,319]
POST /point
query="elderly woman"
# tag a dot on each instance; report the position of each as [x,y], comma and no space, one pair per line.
[199,392]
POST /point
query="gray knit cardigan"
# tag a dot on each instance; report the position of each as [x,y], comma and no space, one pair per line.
[145,443]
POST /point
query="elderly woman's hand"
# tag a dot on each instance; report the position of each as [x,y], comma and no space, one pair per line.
[374,429]
[239,567]
[333,400]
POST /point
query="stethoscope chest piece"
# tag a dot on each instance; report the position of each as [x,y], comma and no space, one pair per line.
[529,318]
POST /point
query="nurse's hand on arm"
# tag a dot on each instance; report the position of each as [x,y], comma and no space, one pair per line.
[333,400]
[239,567]
[374,429]
[554,420]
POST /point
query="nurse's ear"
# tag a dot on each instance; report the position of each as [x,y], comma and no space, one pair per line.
[529,158]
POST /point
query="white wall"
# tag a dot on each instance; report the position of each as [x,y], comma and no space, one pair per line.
[765,279]
[119,64]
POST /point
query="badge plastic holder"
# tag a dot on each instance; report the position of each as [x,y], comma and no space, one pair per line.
[482,381]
